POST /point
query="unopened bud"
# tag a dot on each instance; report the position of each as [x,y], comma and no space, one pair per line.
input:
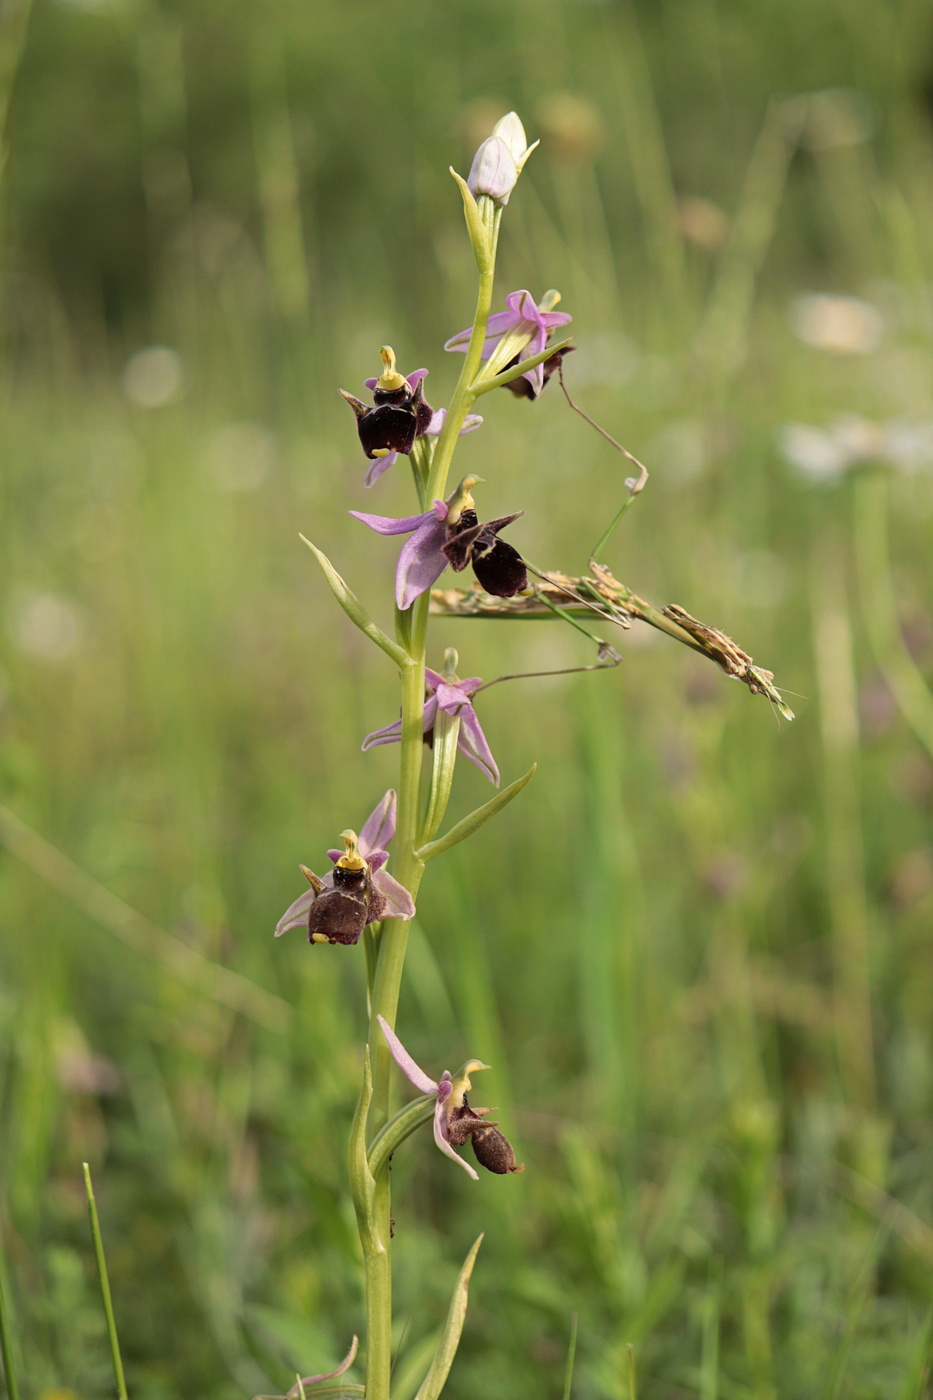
[493,171]
[510,130]
[499,160]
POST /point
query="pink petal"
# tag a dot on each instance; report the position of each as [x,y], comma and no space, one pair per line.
[391,734]
[379,826]
[496,328]
[458,343]
[430,712]
[390,525]
[535,376]
[405,1062]
[441,1130]
[503,321]
[522,304]
[450,700]
[378,466]
[296,913]
[399,904]
[438,419]
[421,560]
[470,423]
[472,744]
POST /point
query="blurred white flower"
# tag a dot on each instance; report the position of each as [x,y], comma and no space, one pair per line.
[46,626]
[909,446]
[238,457]
[839,325]
[822,455]
[153,377]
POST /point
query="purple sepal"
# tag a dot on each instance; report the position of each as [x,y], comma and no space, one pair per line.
[523,313]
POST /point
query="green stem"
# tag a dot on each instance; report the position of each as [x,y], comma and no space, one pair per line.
[604,539]
[393,943]
[463,396]
[411,630]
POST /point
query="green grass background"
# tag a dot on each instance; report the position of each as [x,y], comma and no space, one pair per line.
[697,950]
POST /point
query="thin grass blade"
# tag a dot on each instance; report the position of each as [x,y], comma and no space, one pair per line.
[571,1357]
[6,1350]
[919,1371]
[104,1285]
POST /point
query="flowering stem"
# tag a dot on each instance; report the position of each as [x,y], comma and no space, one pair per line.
[464,396]
[393,943]
[411,632]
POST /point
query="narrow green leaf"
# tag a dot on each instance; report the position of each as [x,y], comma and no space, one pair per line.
[6,1351]
[433,1383]
[361,1181]
[481,386]
[918,1369]
[475,820]
[407,1121]
[104,1285]
[571,1357]
[354,608]
[479,236]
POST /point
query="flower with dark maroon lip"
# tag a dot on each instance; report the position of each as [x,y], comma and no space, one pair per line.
[358,891]
[453,698]
[438,419]
[498,566]
[454,1120]
[450,533]
[398,415]
[521,331]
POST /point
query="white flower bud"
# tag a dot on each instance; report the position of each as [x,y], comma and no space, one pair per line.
[493,171]
[510,130]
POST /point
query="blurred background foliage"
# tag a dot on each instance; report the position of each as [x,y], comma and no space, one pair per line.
[697,952]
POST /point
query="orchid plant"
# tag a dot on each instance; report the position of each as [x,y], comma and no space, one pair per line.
[359,900]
